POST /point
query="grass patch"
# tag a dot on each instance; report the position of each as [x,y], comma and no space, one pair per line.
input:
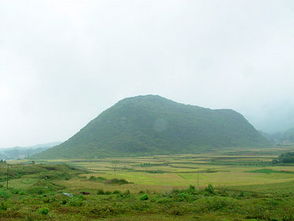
[51,191]
[269,171]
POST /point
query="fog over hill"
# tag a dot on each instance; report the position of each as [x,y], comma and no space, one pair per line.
[64,62]
[282,138]
[150,125]
[14,153]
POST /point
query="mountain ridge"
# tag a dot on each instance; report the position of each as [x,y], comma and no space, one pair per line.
[22,152]
[150,124]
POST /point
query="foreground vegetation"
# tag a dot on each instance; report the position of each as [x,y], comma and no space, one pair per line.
[186,204]
[227,186]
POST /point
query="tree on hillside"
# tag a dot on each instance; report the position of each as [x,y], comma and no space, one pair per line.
[285,158]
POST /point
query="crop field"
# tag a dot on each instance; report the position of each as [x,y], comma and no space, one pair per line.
[159,173]
[227,185]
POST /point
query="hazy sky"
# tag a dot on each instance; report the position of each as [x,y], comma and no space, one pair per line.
[63,62]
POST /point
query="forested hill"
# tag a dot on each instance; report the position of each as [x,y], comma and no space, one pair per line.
[146,125]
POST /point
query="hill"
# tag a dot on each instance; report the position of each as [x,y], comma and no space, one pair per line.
[14,153]
[284,138]
[146,125]
[288,136]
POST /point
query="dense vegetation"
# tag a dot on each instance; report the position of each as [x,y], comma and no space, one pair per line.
[285,158]
[147,125]
[40,171]
[36,193]
[205,204]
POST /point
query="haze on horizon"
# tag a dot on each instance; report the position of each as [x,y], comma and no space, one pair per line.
[63,62]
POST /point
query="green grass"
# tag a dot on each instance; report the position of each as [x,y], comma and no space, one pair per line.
[270,171]
[126,189]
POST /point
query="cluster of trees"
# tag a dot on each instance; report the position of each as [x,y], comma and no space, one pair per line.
[285,158]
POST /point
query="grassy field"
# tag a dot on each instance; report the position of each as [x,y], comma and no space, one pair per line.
[227,185]
[159,173]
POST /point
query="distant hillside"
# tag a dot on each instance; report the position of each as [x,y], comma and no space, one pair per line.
[14,153]
[288,136]
[146,125]
[284,138]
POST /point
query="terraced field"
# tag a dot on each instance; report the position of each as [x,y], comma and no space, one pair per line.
[158,173]
[228,185]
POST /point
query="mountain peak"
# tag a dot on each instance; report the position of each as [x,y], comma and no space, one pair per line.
[148,97]
[151,124]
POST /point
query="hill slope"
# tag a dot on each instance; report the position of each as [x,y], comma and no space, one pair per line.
[288,136]
[14,153]
[151,124]
[285,138]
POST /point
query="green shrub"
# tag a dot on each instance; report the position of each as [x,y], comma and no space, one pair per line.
[116,192]
[144,197]
[43,211]
[100,192]
[259,212]
[117,181]
[43,187]
[163,200]
[104,211]
[175,191]
[99,179]
[192,188]
[183,197]
[4,194]
[289,217]
[127,192]
[3,206]
[36,190]
[63,202]
[76,201]
[92,178]
[55,175]
[216,203]
[15,191]
[210,189]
